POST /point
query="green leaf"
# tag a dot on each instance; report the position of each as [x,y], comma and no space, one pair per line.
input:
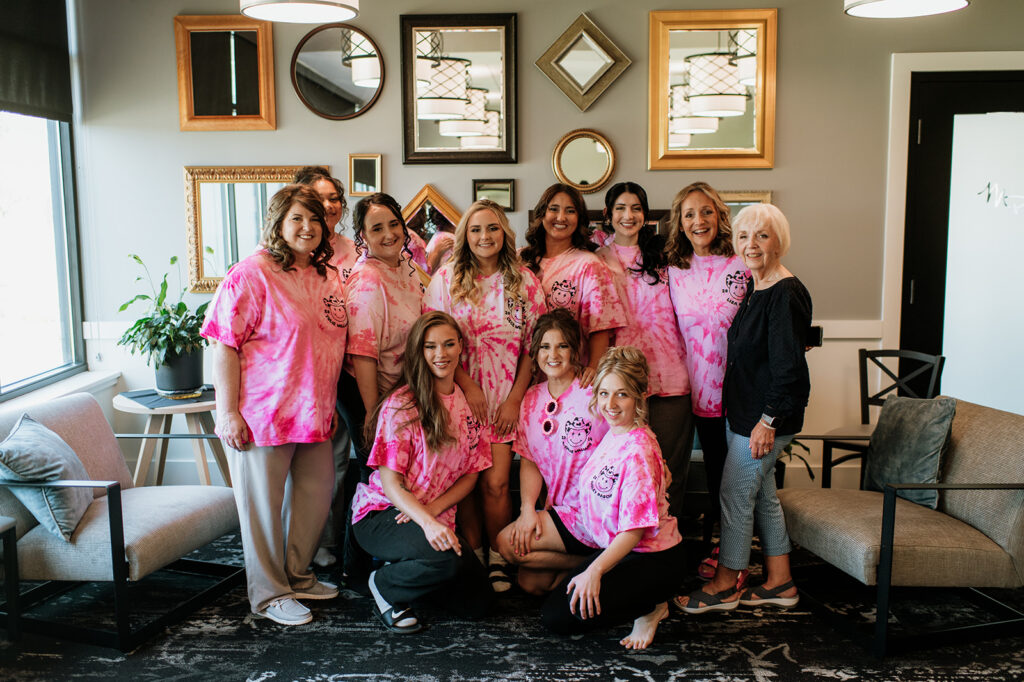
[136,259]
[174,259]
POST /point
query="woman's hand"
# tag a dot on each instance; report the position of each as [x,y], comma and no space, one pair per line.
[477,402]
[441,537]
[585,590]
[525,530]
[587,376]
[762,440]
[507,417]
[233,431]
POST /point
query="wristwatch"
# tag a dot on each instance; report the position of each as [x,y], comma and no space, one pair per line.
[768,421]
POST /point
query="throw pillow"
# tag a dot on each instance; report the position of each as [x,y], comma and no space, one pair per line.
[907,446]
[32,452]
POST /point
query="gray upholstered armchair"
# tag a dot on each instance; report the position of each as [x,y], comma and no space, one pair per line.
[125,534]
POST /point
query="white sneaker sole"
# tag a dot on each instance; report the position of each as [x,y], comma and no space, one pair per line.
[284,621]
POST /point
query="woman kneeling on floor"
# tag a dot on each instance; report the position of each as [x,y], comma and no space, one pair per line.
[623,509]
[426,455]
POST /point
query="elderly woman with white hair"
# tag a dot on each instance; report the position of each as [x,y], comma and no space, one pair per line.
[765,392]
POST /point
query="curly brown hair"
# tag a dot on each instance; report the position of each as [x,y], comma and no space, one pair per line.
[679,248]
[273,241]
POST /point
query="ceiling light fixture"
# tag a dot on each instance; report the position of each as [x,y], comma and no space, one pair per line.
[446,96]
[715,88]
[897,9]
[301,11]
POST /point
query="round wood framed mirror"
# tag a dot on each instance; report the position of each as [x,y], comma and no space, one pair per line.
[584,159]
[337,71]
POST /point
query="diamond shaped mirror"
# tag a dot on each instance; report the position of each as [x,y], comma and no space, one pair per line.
[583,62]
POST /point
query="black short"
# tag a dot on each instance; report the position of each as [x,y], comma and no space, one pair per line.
[572,545]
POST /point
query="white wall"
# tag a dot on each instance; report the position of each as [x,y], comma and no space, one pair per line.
[829,176]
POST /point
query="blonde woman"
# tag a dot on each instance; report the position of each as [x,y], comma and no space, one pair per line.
[496,300]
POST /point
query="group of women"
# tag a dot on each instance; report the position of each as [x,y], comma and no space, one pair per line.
[595,357]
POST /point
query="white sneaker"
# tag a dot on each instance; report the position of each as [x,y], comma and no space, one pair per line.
[320,590]
[286,612]
[324,558]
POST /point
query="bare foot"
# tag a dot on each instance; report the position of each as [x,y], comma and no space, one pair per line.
[644,628]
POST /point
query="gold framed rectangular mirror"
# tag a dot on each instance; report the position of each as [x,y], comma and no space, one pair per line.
[224,210]
[711,89]
[225,73]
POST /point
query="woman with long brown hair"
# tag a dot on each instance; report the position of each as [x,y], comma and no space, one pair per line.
[426,455]
[560,252]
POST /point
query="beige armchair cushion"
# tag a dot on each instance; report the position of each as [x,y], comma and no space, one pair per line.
[931,549]
[161,524]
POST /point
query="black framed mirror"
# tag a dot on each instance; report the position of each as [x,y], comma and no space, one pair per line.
[459,88]
[337,71]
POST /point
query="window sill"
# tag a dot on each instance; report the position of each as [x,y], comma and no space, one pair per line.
[83,382]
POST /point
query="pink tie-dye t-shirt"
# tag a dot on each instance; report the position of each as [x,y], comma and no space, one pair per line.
[579,281]
[650,320]
[622,487]
[418,247]
[345,254]
[559,455]
[706,297]
[496,330]
[383,302]
[289,328]
[401,445]
[440,244]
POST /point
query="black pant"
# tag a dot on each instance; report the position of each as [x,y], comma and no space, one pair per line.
[711,431]
[633,587]
[418,574]
[354,563]
[671,419]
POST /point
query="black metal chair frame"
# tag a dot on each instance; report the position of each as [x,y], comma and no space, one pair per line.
[123,637]
[878,640]
[930,362]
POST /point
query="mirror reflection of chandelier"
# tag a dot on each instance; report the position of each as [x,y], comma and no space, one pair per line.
[428,51]
[491,139]
[445,96]
[744,45]
[680,119]
[715,88]
[679,140]
[475,120]
[357,53]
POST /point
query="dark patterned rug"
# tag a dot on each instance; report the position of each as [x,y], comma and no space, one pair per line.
[344,642]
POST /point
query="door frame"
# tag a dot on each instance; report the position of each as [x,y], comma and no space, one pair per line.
[902,66]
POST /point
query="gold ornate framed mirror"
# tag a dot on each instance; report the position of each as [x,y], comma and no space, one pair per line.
[711,89]
[225,73]
[224,211]
[583,159]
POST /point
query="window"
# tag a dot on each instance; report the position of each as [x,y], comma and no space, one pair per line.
[40,318]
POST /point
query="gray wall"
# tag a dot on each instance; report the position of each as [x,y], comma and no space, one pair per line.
[829,174]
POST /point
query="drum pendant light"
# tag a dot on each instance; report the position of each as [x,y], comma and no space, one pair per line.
[301,11]
[895,9]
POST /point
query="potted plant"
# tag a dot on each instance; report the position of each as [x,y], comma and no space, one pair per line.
[167,336]
[788,453]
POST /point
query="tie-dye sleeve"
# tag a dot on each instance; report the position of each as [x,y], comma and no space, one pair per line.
[638,496]
[366,309]
[438,293]
[234,312]
[536,305]
[600,306]
[393,446]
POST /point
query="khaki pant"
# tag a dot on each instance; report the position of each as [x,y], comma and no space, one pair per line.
[285,487]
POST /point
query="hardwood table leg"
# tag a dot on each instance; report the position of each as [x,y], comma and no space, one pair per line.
[206,419]
[154,424]
[161,453]
[196,428]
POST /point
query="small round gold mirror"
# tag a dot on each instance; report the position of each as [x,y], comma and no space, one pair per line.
[584,159]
